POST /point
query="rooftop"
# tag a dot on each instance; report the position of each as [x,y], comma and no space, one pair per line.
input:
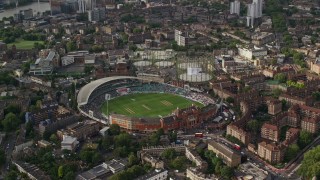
[68,139]
[32,170]
[151,174]
[95,172]
[116,164]
[85,91]
[223,149]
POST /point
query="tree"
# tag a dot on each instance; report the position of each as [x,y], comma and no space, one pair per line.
[273,61]
[147,167]
[217,168]
[292,152]
[298,59]
[280,77]
[155,25]
[305,138]
[70,175]
[263,108]
[295,84]
[179,163]
[12,175]
[310,166]
[133,47]
[96,48]
[132,160]
[60,171]
[26,66]
[71,46]
[54,138]
[86,155]
[2,157]
[10,122]
[279,22]
[287,38]
[226,172]
[107,142]
[136,171]
[120,176]
[131,173]
[38,46]
[114,129]
[169,154]
[284,105]
[137,30]
[88,69]
[276,92]
[230,100]
[38,104]
[29,130]
[9,39]
[46,135]
[12,108]
[253,126]
[121,152]
[97,157]
[316,95]
[173,136]
[123,139]
[160,132]
[154,139]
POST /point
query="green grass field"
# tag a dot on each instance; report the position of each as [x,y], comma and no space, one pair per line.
[147,104]
[22,44]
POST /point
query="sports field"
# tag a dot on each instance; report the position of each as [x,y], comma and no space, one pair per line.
[147,104]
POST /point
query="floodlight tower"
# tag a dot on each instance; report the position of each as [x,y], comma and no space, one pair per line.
[107,98]
[221,102]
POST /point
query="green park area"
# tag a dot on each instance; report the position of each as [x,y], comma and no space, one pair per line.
[24,44]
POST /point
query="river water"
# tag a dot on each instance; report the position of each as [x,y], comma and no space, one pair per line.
[41,7]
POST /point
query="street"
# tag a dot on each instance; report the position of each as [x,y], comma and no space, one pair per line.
[8,146]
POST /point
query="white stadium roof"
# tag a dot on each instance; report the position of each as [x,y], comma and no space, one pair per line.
[85,91]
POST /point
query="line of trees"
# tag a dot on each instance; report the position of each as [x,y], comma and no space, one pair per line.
[292,151]
[10,34]
[310,164]
[215,165]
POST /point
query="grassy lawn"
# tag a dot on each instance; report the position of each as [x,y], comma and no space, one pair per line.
[22,44]
[147,105]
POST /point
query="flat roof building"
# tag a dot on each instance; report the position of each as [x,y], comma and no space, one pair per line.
[32,171]
[43,66]
[69,143]
[229,157]
[104,170]
[158,174]
[98,172]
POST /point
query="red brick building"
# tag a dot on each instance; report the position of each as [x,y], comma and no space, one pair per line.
[274,106]
[237,128]
[187,118]
[270,131]
[311,124]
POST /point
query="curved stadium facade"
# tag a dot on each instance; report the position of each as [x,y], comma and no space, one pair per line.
[91,97]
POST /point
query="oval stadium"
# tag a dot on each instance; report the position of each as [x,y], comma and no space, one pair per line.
[140,105]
